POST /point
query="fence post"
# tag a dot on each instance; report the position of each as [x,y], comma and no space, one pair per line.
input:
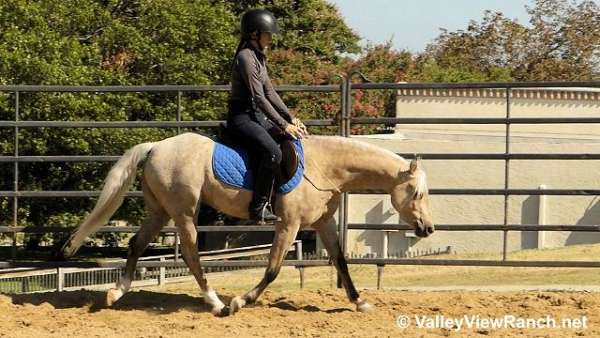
[178,111]
[379,275]
[25,285]
[345,132]
[60,279]
[299,257]
[178,132]
[386,240]
[13,250]
[16,179]
[176,253]
[162,273]
[541,218]
[506,176]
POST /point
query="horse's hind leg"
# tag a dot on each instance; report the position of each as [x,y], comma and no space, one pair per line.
[189,249]
[156,218]
[284,237]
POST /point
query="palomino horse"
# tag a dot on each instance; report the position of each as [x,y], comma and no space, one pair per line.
[178,175]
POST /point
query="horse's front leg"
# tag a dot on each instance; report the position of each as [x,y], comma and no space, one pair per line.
[327,230]
[284,237]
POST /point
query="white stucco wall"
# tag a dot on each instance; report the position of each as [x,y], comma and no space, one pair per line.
[580,138]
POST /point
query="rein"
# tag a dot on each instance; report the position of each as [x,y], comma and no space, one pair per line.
[334,187]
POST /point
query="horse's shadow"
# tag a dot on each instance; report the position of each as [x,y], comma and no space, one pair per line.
[282,304]
[150,301]
[156,302]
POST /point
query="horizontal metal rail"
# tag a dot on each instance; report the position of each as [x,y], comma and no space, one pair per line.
[61,193]
[217,252]
[473,120]
[478,85]
[85,158]
[352,226]
[480,227]
[300,88]
[210,255]
[441,191]
[499,156]
[502,192]
[164,88]
[132,229]
[477,262]
[428,156]
[310,263]
[325,122]
[150,264]
[134,124]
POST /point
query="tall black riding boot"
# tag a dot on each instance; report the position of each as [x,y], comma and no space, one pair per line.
[263,187]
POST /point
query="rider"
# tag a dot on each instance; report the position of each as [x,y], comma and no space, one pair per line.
[255,108]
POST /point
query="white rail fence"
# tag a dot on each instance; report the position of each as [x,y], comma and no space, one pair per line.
[31,280]
[27,280]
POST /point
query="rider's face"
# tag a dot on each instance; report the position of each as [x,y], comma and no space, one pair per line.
[264,40]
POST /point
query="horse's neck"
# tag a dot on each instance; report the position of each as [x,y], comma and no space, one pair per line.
[354,165]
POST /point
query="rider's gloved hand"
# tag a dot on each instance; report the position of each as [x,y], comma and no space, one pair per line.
[294,131]
[299,124]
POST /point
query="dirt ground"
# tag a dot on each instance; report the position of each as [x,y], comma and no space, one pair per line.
[178,311]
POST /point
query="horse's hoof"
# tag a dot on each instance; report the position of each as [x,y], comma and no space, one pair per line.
[220,311]
[211,298]
[237,303]
[224,312]
[112,296]
[364,307]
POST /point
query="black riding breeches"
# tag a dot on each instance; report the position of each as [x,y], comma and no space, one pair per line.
[253,132]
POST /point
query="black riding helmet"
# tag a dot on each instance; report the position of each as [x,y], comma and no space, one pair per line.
[258,20]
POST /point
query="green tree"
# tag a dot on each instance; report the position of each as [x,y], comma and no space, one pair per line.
[379,63]
[564,41]
[313,27]
[102,43]
[135,42]
[561,43]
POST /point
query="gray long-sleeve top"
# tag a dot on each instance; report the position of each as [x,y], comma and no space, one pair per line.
[250,82]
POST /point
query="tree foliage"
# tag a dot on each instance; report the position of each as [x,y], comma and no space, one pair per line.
[378,63]
[561,42]
[131,42]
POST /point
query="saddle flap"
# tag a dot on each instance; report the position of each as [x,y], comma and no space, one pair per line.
[289,161]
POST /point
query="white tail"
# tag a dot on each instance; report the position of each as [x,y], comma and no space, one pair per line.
[117,183]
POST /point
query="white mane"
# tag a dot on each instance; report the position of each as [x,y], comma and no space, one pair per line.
[421,187]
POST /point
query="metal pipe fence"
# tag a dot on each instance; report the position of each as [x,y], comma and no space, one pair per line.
[19,124]
[63,278]
[345,88]
[506,156]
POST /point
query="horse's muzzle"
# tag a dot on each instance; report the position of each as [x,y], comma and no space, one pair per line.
[422,229]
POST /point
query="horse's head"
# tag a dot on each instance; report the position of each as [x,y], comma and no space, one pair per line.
[410,197]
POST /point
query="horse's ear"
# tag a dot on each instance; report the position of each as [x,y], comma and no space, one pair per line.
[414,164]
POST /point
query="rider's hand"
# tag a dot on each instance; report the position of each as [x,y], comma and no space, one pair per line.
[294,131]
[296,121]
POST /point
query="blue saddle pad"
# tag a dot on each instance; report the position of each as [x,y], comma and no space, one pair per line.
[231,165]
